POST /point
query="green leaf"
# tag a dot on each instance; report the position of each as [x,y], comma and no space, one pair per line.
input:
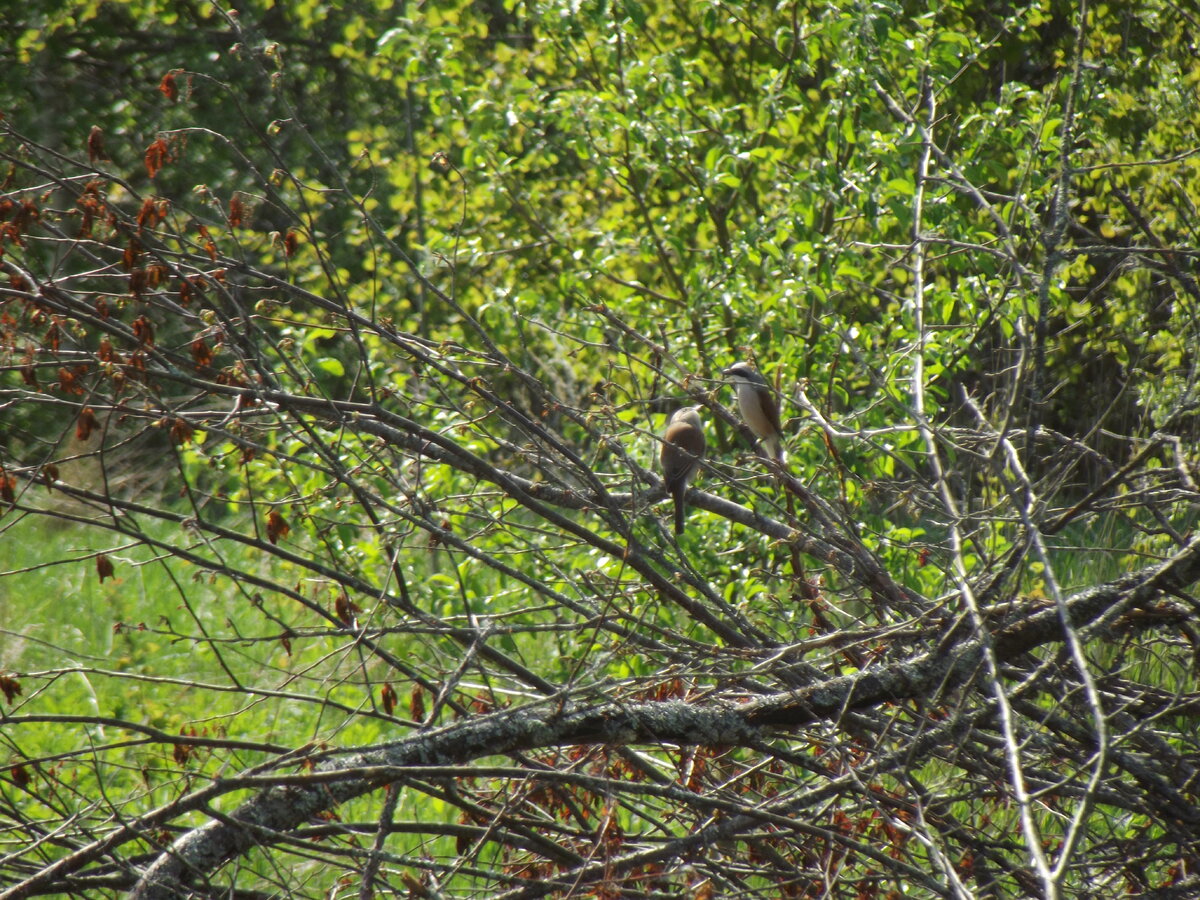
[848,130]
[1049,130]
[331,365]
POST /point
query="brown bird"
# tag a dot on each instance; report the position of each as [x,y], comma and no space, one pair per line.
[682,450]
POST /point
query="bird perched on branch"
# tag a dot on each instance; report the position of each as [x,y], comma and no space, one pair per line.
[682,450]
[759,409]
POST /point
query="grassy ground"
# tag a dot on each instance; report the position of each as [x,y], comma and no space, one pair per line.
[164,645]
[160,644]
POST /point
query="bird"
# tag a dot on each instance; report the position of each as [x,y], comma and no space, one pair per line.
[682,450]
[757,404]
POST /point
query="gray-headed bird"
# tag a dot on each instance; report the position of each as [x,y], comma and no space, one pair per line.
[759,409]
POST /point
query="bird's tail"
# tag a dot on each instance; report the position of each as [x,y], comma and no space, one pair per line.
[774,447]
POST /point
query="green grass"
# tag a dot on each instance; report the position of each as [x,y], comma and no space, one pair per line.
[162,644]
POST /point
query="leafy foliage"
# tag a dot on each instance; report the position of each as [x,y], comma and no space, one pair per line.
[337,342]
